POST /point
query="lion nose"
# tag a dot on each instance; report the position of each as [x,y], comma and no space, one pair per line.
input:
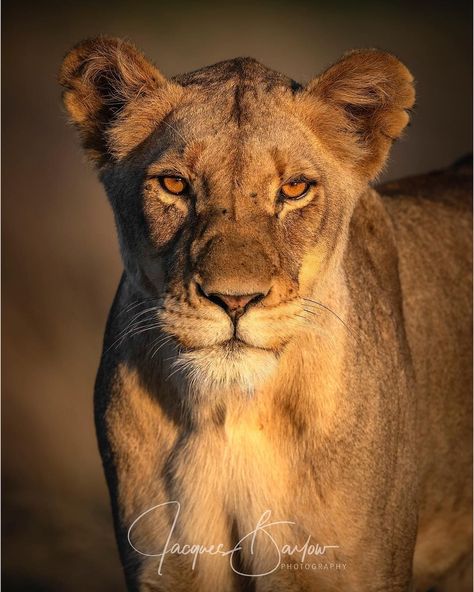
[234,304]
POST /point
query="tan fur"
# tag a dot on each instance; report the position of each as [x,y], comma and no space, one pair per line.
[339,400]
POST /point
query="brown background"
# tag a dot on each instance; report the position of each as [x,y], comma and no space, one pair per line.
[60,258]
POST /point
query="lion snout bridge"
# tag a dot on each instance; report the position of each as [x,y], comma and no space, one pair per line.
[235,273]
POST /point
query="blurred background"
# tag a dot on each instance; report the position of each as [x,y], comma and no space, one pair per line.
[60,258]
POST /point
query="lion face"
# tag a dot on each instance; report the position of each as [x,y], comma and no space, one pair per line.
[233,188]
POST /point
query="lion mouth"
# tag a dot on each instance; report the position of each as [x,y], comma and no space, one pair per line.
[231,345]
[235,345]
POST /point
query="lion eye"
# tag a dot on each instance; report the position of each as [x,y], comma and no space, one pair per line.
[294,189]
[174,185]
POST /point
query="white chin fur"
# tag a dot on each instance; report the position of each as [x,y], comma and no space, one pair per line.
[215,369]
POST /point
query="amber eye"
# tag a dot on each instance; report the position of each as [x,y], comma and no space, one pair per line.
[174,185]
[294,189]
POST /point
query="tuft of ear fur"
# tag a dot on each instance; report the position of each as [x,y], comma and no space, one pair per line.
[105,79]
[361,106]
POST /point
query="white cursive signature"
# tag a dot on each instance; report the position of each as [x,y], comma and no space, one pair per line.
[195,550]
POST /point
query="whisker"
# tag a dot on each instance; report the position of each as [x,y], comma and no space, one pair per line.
[162,344]
[137,303]
[130,331]
[135,325]
[301,316]
[145,329]
[321,305]
[174,129]
[141,325]
[159,339]
[137,316]
[155,341]
[177,369]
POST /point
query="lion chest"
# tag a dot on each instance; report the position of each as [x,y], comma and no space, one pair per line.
[226,478]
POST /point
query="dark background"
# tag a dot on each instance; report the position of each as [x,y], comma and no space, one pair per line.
[60,258]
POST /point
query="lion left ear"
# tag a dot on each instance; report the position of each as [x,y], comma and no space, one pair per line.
[107,82]
[361,106]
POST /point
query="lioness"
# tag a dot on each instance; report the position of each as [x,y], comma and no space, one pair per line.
[283,398]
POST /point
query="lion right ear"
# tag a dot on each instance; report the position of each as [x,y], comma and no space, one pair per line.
[106,82]
[361,105]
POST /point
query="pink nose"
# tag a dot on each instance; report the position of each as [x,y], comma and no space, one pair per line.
[234,304]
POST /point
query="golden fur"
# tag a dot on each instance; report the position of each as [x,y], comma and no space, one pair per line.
[339,400]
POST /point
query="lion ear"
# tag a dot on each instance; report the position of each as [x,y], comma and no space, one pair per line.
[363,103]
[101,79]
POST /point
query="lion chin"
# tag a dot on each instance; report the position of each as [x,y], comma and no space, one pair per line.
[233,365]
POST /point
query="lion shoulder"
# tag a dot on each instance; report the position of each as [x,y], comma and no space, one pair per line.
[451,187]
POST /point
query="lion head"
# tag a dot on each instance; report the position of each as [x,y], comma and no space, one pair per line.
[233,187]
